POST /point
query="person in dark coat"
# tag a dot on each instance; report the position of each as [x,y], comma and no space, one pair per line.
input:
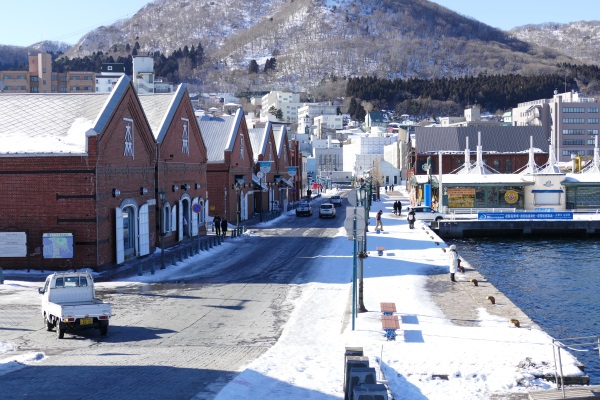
[224,227]
[217,224]
[379,224]
[399,207]
[411,218]
[396,207]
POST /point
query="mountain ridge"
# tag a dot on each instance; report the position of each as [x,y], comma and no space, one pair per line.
[316,42]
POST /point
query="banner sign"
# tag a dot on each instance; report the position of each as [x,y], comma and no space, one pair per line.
[13,244]
[524,215]
[292,171]
[265,166]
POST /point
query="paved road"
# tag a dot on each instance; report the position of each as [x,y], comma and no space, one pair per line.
[181,339]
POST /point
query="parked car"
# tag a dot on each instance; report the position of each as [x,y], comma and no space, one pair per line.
[326,210]
[335,200]
[304,208]
[426,213]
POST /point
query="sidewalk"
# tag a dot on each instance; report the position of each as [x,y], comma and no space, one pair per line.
[453,343]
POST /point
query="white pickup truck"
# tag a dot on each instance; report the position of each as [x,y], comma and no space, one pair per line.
[69,303]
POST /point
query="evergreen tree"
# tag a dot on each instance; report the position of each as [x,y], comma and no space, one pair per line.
[253,67]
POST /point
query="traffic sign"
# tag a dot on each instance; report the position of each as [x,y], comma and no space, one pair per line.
[197,208]
[352,198]
[360,227]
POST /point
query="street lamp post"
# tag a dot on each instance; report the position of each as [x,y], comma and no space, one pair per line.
[362,251]
[238,189]
[225,203]
[162,195]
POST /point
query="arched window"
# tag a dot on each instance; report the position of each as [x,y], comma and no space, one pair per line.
[508,166]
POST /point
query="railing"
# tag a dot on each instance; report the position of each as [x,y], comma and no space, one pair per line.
[453,212]
[580,344]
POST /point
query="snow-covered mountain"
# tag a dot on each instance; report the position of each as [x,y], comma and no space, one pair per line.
[580,40]
[317,41]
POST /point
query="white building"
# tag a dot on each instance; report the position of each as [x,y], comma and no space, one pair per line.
[108,77]
[360,153]
[143,74]
[287,102]
[309,111]
[328,156]
[472,117]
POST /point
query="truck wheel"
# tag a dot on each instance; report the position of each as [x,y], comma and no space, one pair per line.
[104,329]
[49,325]
[60,331]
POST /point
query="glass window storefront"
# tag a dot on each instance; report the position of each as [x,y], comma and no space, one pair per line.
[486,197]
[583,197]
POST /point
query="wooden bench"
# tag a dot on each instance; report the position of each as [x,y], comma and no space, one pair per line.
[388,308]
[380,250]
[390,323]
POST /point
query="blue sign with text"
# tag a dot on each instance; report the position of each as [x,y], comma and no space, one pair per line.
[524,215]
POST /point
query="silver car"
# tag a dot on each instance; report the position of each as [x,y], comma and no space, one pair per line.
[335,200]
[426,213]
[327,210]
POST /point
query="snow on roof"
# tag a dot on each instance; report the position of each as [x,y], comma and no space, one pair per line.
[48,123]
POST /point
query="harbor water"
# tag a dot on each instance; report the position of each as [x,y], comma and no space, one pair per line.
[556,282]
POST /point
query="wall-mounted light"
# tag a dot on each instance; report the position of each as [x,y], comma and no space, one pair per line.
[143,191]
[116,192]
[175,188]
[162,195]
[185,186]
[198,186]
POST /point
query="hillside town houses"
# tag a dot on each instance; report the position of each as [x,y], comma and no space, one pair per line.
[97,177]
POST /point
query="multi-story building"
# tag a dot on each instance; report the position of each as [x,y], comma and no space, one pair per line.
[309,111]
[570,121]
[287,102]
[41,79]
[109,76]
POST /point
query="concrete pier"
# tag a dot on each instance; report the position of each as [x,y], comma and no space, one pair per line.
[475,228]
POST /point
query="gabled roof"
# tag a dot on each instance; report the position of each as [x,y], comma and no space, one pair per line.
[219,134]
[160,110]
[280,135]
[256,138]
[502,139]
[259,138]
[52,123]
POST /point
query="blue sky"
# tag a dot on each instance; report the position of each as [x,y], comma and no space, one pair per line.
[67,20]
[507,14]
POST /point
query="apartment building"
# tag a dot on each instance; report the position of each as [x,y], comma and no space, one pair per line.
[570,121]
[309,111]
[287,102]
[41,79]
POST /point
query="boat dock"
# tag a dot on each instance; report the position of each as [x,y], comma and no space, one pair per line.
[461,228]
[579,393]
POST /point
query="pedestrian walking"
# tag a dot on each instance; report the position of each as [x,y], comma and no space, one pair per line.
[379,224]
[411,218]
[453,262]
[224,227]
[396,207]
[217,224]
[399,207]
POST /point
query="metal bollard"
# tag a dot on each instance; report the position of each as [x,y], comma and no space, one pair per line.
[139,269]
[210,243]
[152,267]
[174,259]
[1,277]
